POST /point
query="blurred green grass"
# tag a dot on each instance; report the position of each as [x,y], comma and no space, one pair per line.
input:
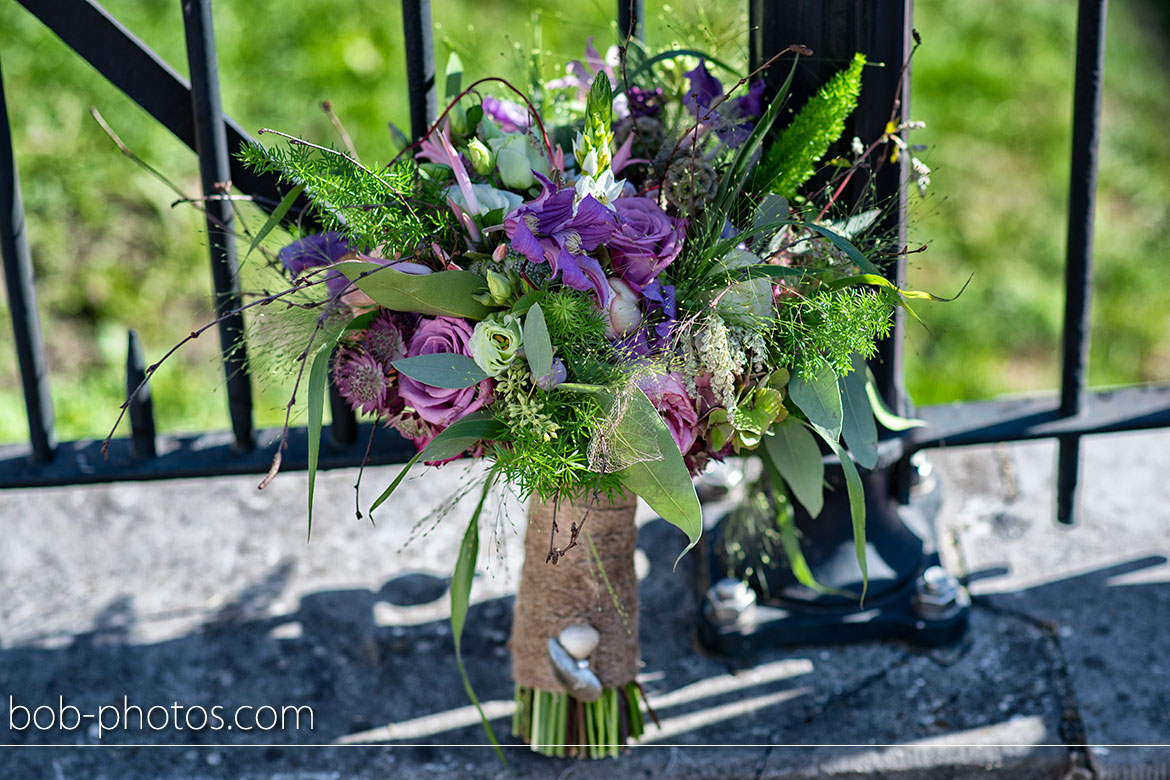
[993,83]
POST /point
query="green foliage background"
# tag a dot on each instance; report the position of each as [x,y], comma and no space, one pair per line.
[993,83]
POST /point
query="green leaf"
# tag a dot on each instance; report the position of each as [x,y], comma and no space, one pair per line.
[525,302]
[578,387]
[277,215]
[318,380]
[453,441]
[448,293]
[454,76]
[447,370]
[846,246]
[460,600]
[663,484]
[786,524]
[796,456]
[819,399]
[537,345]
[394,484]
[887,419]
[463,434]
[856,504]
[858,429]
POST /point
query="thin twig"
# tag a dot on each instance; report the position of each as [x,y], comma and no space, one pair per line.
[327,107]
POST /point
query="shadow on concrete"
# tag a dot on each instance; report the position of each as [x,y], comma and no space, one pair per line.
[338,654]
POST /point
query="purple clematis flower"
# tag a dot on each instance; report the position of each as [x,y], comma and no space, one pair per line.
[509,115]
[729,118]
[313,252]
[659,312]
[546,230]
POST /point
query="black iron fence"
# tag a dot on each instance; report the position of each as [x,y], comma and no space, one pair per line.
[192,111]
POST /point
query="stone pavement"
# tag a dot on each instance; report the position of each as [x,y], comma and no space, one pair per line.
[206,593]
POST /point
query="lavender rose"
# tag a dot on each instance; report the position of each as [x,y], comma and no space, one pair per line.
[646,240]
[670,398]
[439,406]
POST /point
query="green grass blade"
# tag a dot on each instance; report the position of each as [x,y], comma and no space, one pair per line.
[856,504]
[318,380]
[278,213]
[461,599]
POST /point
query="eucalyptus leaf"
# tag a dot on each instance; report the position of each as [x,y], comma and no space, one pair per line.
[447,370]
[448,293]
[463,434]
[786,524]
[796,456]
[537,345]
[858,427]
[663,484]
[453,441]
[278,213]
[461,581]
[819,398]
[856,504]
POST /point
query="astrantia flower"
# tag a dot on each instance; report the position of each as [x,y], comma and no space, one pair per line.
[383,340]
[645,242]
[361,380]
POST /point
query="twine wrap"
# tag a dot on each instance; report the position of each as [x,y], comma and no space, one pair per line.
[552,597]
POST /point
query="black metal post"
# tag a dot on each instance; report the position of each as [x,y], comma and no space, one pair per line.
[215,174]
[22,299]
[420,64]
[1078,284]
[630,16]
[142,75]
[901,548]
[141,411]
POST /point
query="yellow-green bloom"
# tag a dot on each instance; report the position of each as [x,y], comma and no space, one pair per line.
[495,342]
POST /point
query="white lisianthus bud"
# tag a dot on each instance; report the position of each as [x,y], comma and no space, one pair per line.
[513,164]
[482,159]
[624,314]
[495,342]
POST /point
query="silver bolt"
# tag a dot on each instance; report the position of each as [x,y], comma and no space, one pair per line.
[730,601]
[938,596]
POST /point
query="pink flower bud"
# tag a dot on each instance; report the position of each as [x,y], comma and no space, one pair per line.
[623,311]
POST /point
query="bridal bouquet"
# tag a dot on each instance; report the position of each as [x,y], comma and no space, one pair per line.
[600,285]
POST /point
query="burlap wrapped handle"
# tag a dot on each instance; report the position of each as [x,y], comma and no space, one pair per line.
[575,590]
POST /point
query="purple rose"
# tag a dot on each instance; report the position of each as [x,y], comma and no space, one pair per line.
[436,405]
[670,398]
[646,240]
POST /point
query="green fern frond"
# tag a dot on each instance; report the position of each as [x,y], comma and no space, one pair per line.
[792,159]
[395,206]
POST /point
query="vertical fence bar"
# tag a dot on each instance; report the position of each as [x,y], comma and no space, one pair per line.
[141,412]
[22,299]
[1078,279]
[420,64]
[214,172]
[630,16]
